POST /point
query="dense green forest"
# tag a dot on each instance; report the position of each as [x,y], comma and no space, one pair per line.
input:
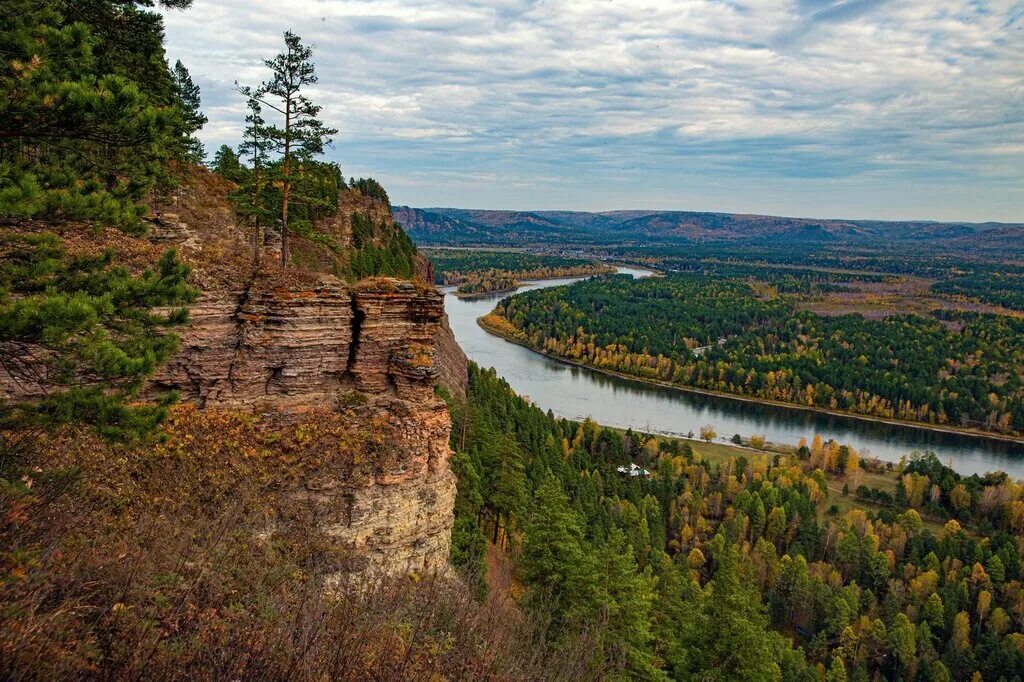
[384,251]
[1001,285]
[817,268]
[741,568]
[864,261]
[785,278]
[957,368]
[452,264]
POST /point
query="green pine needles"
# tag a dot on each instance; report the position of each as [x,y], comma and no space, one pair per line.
[92,121]
[90,114]
[79,335]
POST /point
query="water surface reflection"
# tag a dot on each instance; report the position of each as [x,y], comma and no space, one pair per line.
[576,393]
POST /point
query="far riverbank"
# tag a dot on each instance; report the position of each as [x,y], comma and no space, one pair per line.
[936,428]
[577,392]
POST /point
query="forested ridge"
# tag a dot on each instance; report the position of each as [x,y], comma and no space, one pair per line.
[956,368]
[742,567]
[636,229]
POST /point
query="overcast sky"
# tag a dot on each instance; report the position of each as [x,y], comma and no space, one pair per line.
[823,108]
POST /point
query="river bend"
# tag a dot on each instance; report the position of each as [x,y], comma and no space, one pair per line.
[578,392]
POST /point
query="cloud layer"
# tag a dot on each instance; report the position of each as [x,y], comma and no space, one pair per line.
[853,108]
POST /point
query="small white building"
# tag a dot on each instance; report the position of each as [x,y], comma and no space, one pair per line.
[634,470]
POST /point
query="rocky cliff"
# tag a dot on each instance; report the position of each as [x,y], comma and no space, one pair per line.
[298,346]
[293,344]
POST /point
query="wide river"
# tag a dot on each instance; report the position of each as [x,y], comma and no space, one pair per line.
[576,393]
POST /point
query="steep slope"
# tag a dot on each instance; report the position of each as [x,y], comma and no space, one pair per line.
[301,345]
[302,338]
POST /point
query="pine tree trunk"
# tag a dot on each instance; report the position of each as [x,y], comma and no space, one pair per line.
[287,184]
[256,243]
[256,218]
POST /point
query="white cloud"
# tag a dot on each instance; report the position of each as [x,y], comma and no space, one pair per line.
[669,102]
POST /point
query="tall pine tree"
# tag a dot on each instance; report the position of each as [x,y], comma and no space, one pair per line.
[557,562]
[250,199]
[89,112]
[193,119]
[302,136]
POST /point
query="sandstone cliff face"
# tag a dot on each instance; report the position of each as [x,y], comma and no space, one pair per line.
[281,345]
[399,519]
[392,316]
[265,343]
[452,363]
[298,342]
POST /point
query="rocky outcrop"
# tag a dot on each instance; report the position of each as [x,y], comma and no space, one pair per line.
[297,342]
[424,268]
[277,345]
[450,360]
[266,343]
[391,315]
[399,520]
[167,228]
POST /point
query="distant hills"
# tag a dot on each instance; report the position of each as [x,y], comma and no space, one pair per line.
[458,226]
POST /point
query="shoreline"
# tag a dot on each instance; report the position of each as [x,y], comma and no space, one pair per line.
[1017,440]
[522,283]
[481,294]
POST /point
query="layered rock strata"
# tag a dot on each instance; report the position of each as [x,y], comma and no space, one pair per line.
[267,343]
[392,316]
[285,346]
[400,519]
[295,342]
[298,348]
[451,361]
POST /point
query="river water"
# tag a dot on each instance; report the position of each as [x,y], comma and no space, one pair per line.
[577,393]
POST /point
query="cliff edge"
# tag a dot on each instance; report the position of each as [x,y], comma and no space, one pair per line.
[294,347]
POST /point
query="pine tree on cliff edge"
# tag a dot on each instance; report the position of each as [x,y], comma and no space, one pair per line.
[249,198]
[193,119]
[303,135]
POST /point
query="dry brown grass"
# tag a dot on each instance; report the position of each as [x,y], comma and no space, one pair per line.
[150,563]
[895,296]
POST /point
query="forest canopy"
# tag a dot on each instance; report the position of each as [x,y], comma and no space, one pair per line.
[952,367]
[91,115]
[740,566]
